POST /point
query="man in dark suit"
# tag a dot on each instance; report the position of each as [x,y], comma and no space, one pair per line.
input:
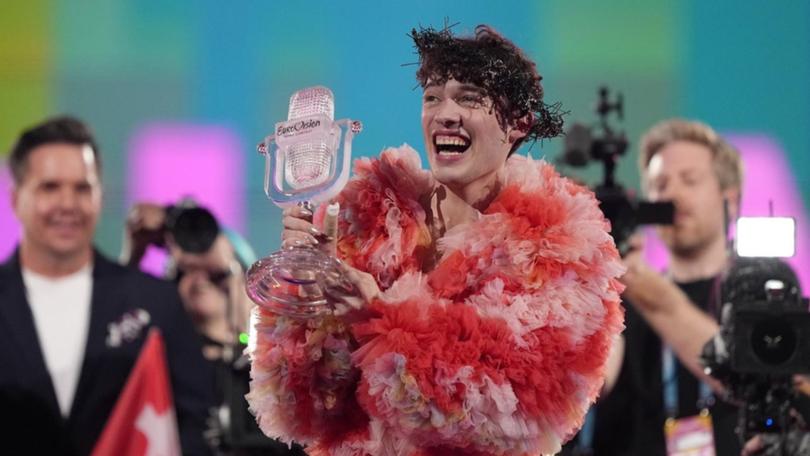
[72,322]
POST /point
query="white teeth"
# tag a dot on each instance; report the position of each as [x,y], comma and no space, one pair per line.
[451,141]
[444,152]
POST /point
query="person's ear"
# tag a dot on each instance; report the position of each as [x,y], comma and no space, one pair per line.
[732,199]
[13,197]
[520,128]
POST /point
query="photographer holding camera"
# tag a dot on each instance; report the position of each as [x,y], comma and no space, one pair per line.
[208,264]
[671,401]
[204,264]
[693,179]
[672,315]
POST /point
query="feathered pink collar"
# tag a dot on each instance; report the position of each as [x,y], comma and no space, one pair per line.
[538,220]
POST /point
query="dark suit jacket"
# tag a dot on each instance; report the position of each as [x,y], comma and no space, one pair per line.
[30,421]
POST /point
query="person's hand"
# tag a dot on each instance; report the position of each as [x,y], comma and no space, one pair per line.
[753,446]
[794,442]
[144,227]
[645,287]
[802,384]
[299,231]
[349,292]
[145,223]
[353,291]
[679,322]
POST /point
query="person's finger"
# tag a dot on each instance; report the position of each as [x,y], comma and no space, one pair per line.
[330,228]
[340,309]
[636,241]
[134,216]
[152,217]
[753,446]
[362,281]
[297,224]
[291,243]
[298,212]
[630,246]
[344,290]
[802,384]
[344,304]
[300,235]
[339,284]
[291,238]
[288,232]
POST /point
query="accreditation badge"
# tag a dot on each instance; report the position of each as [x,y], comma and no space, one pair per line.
[690,436]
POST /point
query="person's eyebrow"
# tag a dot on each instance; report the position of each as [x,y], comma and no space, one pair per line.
[690,172]
[471,88]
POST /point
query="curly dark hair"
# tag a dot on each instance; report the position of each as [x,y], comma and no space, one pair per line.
[493,63]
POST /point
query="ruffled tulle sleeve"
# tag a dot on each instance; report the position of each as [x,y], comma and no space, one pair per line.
[302,381]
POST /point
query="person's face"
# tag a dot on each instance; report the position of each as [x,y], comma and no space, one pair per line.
[59,200]
[204,280]
[465,143]
[682,171]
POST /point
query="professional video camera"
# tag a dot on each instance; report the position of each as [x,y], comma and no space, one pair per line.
[764,340]
[602,143]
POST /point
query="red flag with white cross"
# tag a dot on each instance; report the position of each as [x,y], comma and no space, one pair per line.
[143,421]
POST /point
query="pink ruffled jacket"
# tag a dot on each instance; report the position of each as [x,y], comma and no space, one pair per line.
[499,350]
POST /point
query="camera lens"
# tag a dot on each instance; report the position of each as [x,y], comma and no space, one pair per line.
[194,229]
[773,341]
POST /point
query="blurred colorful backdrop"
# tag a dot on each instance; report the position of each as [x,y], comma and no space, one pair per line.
[180,92]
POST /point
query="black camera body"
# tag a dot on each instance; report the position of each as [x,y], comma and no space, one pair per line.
[764,340]
[604,144]
[193,228]
[770,338]
[626,213]
[765,322]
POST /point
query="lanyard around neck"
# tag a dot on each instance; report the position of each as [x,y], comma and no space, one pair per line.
[669,380]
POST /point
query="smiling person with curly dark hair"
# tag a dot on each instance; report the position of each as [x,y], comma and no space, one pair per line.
[485,296]
[498,68]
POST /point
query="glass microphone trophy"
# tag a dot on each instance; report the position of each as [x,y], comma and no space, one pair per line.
[304,165]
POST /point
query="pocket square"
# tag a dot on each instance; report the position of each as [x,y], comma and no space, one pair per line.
[127,328]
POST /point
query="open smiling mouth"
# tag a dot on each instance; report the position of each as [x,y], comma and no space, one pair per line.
[451,145]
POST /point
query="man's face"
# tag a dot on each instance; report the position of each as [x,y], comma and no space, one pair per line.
[59,200]
[465,143]
[682,171]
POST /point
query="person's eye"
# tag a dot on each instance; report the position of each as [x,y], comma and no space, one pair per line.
[430,99]
[218,278]
[659,186]
[471,101]
[49,187]
[178,275]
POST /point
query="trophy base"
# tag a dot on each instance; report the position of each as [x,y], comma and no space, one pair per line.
[292,282]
